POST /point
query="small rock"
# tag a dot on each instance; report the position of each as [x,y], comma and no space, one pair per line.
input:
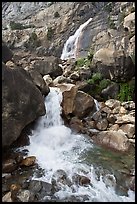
[7,197]
[28,161]
[9,165]
[102,124]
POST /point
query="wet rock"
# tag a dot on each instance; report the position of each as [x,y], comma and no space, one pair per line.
[76,124]
[59,178]
[47,189]
[132,183]
[28,161]
[69,94]
[109,180]
[97,116]
[19,158]
[35,186]
[15,187]
[7,197]
[80,180]
[9,166]
[25,196]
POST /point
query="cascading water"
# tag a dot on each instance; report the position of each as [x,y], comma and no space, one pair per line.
[57,147]
[69,50]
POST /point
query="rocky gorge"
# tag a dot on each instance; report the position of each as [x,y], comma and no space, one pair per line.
[97,83]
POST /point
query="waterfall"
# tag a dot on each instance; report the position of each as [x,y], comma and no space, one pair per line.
[57,147]
[70,47]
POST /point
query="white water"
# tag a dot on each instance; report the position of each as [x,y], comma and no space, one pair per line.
[70,47]
[57,147]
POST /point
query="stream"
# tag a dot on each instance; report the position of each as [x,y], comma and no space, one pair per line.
[57,147]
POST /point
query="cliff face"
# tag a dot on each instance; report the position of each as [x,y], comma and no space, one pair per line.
[54,22]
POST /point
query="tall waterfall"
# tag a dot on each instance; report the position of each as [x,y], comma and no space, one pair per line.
[57,147]
[70,47]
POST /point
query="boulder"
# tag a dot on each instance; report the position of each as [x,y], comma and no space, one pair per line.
[75,102]
[39,82]
[114,65]
[22,103]
[50,65]
[129,129]
[115,140]
[83,104]
[6,53]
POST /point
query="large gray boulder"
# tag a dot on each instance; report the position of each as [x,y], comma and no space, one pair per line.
[22,103]
[50,65]
[114,65]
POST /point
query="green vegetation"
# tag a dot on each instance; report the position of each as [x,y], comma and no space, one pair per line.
[90,55]
[33,41]
[19,26]
[50,33]
[96,77]
[104,83]
[98,84]
[126,92]
[109,7]
[83,62]
[56,14]
[111,23]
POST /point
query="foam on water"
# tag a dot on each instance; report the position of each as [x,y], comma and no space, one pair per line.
[57,147]
[69,50]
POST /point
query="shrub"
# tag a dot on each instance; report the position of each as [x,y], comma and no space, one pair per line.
[50,33]
[16,26]
[111,23]
[104,83]
[108,7]
[83,62]
[126,92]
[96,77]
[90,55]
[80,62]
[33,41]
[56,14]
[19,26]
